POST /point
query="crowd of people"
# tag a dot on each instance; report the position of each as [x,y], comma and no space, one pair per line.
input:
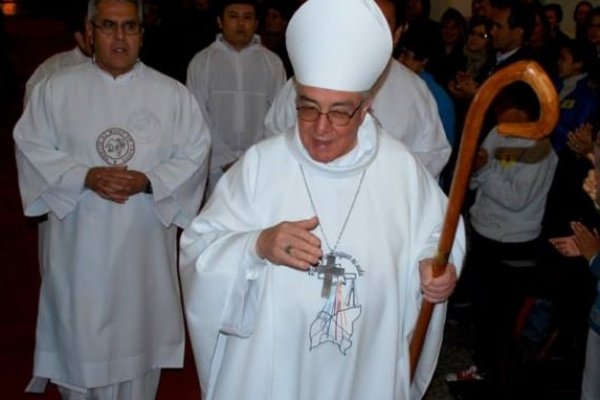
[304,150]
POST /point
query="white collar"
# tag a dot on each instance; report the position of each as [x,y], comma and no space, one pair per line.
[500,57]
[255,41]
[125,77]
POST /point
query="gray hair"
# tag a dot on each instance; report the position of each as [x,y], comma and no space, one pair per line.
[93,8]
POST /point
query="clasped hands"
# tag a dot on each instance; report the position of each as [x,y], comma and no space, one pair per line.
[115,183]
[292,243]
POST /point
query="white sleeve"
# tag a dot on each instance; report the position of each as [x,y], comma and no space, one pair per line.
[221,275]
[50,180]
[178,183]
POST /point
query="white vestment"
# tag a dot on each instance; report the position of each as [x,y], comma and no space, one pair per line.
[57,61]
[263,331]
[109,303]
[234,89]
[404,106]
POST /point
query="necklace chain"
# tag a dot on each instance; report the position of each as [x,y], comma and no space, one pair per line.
[312,203]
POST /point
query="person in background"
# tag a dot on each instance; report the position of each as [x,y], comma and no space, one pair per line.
[481,8]
[511,177]
[567,280]
[477,48]
[81,53]
[543,46]
[303,274]
[554,15]
[447,57]
[272,33]
[581,15]
[400,93]
[114,155]
[235,80]
[414,54]
[577,94]
[593,38]
[179,31]
[477,51]
[587,245]
[419,22]
[512,24]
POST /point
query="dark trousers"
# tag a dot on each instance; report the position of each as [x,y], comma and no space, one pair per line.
[498,291]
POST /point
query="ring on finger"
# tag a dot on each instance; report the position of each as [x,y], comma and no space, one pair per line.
[288,249]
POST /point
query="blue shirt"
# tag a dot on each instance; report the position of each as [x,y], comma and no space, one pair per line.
[445,107]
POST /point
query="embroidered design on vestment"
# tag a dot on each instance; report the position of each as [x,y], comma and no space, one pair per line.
[145,125]
[334,323]
[115,146]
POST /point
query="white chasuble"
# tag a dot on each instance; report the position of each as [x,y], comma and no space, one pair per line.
[264,331]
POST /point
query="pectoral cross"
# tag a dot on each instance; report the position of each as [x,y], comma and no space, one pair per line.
[329,270]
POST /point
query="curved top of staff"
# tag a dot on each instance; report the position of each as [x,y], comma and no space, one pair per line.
[529,72]
[534,75]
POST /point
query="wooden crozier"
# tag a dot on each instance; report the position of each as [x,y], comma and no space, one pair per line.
[530,73]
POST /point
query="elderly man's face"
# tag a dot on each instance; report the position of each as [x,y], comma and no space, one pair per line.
[116,35]
[325,141]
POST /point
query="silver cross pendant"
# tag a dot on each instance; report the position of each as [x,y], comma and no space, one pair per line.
[329,270]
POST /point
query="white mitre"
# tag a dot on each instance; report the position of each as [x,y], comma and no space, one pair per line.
[339,44]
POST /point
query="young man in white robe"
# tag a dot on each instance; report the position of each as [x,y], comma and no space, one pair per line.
[114,155]
[235,80]
[403,105]
[304,273]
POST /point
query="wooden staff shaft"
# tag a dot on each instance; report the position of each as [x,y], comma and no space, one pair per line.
[530,73]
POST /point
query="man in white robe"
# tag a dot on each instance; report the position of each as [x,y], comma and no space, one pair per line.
[235,80]
[304,273]
[403,105]
[81,53]
[114,154]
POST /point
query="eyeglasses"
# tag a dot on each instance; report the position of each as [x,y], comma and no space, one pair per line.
[108,27]
[335,117]
[480,35]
